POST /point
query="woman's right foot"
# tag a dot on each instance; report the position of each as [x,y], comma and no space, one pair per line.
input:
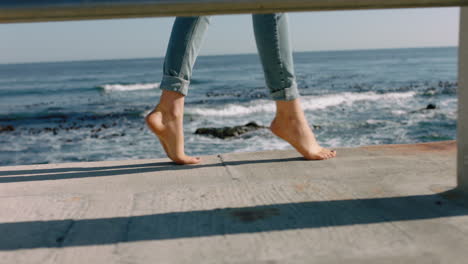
[167,125]
[291,125]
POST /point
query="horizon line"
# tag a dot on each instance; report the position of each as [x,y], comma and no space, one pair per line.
[225,54]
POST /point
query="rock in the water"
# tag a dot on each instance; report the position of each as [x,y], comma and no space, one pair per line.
[8,128]
[431,106]
[227,132]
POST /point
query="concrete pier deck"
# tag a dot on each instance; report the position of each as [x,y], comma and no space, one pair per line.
[376,204]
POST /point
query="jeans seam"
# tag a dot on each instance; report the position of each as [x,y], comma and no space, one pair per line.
[184,58]
[278,53]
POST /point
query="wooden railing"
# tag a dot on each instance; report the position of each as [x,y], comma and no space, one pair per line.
[14,11]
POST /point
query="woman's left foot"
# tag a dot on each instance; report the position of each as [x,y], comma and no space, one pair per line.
[291,125]
[166,122]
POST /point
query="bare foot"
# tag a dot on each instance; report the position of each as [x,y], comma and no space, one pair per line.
[291,125]
[167,124]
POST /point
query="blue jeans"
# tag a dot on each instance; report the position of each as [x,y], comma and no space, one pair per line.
[274,48]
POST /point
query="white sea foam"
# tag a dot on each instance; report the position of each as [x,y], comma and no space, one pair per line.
[129,87]
[308,103]
[399,112]
[235,109]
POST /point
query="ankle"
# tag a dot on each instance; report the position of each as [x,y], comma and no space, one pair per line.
[289,109]
[169,110]
[171,104]
[289,117]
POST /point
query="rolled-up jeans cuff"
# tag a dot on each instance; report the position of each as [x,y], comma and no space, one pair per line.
[286,94]
[176,84]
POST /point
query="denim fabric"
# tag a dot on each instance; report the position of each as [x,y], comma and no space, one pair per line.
[274,48]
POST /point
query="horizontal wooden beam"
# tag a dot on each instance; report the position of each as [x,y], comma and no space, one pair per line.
[462,123]
[14,11]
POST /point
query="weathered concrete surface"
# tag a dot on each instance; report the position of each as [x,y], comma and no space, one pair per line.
[376,204]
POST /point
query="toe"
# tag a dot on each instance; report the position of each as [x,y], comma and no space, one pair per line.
[187,160]
[327,154]
[323,155]
[194,160]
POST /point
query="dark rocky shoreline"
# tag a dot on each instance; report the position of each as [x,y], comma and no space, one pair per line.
[228,132]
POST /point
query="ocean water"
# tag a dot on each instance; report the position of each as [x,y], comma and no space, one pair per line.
[94,110]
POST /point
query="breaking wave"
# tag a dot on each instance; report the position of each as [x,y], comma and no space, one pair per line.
[308,103]
[129,87]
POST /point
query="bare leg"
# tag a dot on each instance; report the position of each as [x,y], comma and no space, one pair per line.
[166,122]
[274,48]
[291,125]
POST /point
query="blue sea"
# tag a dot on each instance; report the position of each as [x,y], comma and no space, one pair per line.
[94,110]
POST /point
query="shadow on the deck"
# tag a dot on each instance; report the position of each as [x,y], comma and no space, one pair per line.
[71,173]
[276,217]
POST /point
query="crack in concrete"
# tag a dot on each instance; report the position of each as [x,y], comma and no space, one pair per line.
[65,233]
[129,222]
[228,170]
[126,230]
